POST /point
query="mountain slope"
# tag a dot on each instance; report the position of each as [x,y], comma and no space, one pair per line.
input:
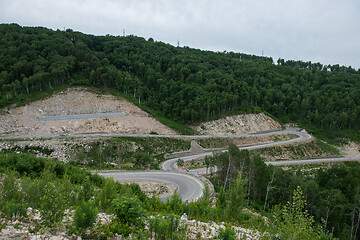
[183,84]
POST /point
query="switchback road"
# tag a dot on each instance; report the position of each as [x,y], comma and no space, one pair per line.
[190,186]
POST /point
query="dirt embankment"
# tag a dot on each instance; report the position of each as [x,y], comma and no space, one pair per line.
[28,120]
[238,125]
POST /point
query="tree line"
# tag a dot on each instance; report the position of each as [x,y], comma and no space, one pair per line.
[184,84]
[332,194]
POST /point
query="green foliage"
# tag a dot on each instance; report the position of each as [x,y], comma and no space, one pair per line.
[129,211]
[294,222]
[87,190]
[10,187]
[144,160]
[52,204]
[174,203]
[107,194]
[179,85]
[29,149]
[142,152]
[167,227]
[85,215]
[22,163]
[227,234]
[236,198]
[15,209]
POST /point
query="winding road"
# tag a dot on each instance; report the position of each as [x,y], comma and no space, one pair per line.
[189,189]
[189,185]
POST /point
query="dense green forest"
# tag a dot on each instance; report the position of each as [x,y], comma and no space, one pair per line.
[332,193]
[52,187]
[319,204]
[184,84]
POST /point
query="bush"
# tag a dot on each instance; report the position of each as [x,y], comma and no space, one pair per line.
[15,209]
[129,210]
[52,204]
[9,189]
[174,204]
[85,215]
[227,234]
[107,194]
[167,227]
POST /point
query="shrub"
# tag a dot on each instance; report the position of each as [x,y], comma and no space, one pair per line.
[15,209]
[167,227]
[85,215]
[87,190]
[107,194]
[129,210]
[227,234]
[9,189]
[175,204]
[52,204]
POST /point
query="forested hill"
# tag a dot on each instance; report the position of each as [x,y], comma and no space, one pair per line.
[184,84]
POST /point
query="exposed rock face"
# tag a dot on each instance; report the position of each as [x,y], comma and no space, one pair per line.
[239,124]
[28,120]
[195,229]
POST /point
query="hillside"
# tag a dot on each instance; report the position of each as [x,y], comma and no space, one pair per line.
[28,120]
[238,125]
[65,83]
[183,84]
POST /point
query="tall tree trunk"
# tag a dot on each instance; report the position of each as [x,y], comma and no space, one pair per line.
[268,188]
[227,172]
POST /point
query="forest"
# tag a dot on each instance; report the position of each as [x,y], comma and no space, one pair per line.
[184,84]
[188,86]
[297,204]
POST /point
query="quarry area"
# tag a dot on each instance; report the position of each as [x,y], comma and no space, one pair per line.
[238,125]
[27,121]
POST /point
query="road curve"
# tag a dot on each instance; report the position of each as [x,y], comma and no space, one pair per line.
[170,165]
[189,187]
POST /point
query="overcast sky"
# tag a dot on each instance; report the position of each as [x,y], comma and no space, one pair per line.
[327,31]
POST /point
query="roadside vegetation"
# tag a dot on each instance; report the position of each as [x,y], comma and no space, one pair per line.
[308,150]
[128,153]
[296,203]
[210,143]
[331,192]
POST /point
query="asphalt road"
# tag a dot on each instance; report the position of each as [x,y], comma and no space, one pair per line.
[189,187]
[312,161]
[82,135]
[170,165]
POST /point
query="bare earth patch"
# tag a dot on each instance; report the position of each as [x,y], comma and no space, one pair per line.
[238,124]
[28,120]
[350,150]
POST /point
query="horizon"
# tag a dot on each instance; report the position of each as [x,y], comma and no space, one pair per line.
[321,31]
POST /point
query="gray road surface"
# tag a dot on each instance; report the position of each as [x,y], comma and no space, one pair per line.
[312,161]
[189,187]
